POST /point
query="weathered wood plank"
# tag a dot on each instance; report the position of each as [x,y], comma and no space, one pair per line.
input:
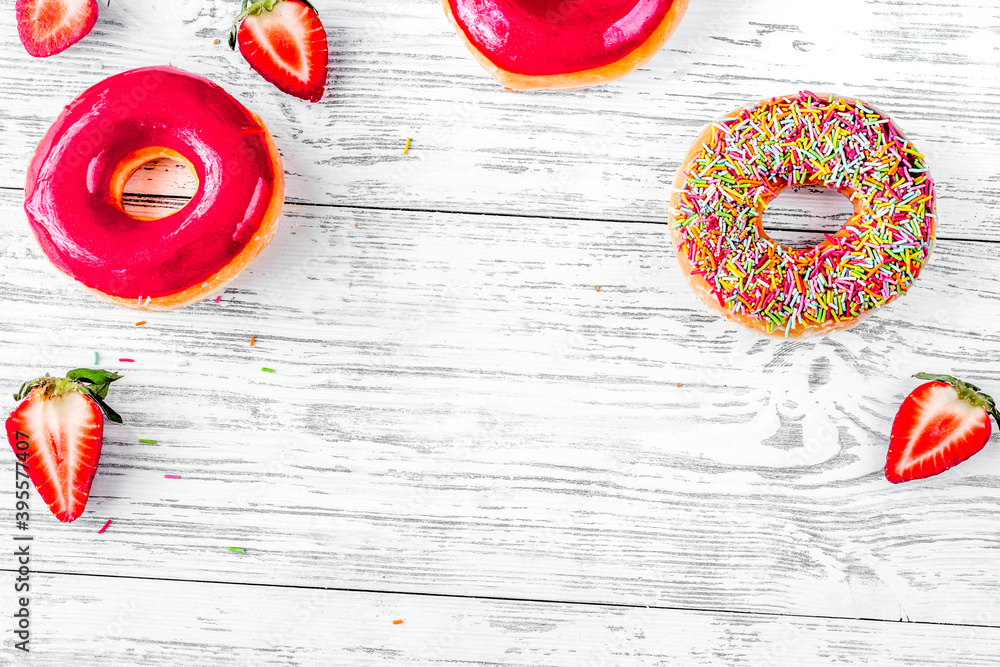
[80,620]
[457,409]
[607,153]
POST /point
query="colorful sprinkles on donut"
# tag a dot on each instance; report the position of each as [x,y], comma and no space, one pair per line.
[741,162]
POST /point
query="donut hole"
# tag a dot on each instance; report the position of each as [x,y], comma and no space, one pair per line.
[153,183]
[144,195]
[799,216]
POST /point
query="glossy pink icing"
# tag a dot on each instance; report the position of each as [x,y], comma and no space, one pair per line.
[67,195]
[539,37]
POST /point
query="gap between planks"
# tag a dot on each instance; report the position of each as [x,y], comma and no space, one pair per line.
[390,209]
[524,600]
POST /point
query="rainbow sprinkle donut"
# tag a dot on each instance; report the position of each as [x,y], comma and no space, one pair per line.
[739,163]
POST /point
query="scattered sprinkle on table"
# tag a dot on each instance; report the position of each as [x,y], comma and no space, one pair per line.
[397,621]
[253,341]
[127,361]
[139,324]
[217,42]
[218,298]
[407,148]
[238,550]
[147,442]
[96,358]
[267,370]
[105,527]
[597,288]
[172,476]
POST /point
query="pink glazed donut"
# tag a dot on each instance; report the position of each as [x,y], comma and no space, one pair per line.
[563,44]
[73,195]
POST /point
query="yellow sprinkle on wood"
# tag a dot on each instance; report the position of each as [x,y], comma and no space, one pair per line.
[407,148]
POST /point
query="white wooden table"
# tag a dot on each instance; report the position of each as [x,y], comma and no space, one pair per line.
[461,431]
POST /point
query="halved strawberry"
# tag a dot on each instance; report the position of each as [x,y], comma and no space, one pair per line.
[939,425]
[56,433]
[285,42]
[47,27]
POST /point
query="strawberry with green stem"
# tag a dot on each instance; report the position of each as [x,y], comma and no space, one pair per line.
[940,424]
[285,42]
[56,433]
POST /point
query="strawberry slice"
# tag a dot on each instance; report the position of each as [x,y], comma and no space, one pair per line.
[285,42]
[47,27]
[56,433]
[940,424]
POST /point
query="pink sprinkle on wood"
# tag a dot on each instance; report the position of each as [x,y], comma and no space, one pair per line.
[128,361]
[218,298]
[172,476]
[105,527]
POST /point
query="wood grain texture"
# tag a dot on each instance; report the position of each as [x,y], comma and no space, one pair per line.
[491,380]
[456,408]
[398,71]
[85,620]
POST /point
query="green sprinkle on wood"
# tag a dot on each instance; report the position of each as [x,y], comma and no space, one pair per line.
[267,370]
[147,442]
[238,550]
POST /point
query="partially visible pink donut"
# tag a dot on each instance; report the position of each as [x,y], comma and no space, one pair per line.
[563,44]
[76,179]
